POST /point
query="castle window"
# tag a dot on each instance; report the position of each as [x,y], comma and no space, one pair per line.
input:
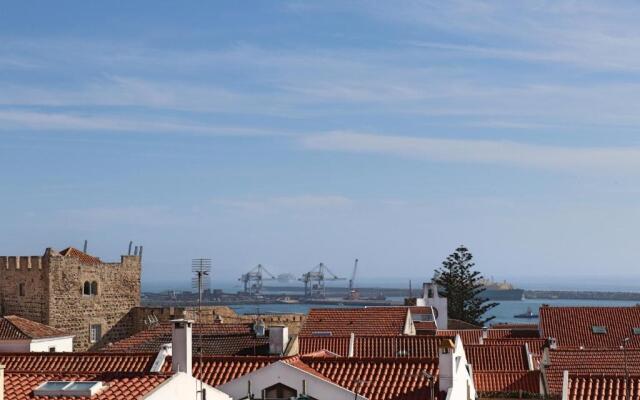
[90,288]
[95,332]
[21,289]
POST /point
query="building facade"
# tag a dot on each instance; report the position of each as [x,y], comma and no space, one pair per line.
[72,291]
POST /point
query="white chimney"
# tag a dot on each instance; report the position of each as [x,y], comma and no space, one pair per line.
[446,364]
[352,344]
[181,346]
[278,339]
[1,382]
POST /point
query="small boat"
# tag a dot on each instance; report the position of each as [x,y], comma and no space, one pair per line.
[287,300]
[528,315]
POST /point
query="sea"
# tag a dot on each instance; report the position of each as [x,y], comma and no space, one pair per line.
[504,312]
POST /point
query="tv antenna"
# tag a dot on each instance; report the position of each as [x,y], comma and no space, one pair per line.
[201,269]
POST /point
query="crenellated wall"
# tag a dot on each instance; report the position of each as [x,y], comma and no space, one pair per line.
[29,271]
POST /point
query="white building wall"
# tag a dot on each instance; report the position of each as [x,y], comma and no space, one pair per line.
[61,344]
[183,387]
[456,375]
[281,372]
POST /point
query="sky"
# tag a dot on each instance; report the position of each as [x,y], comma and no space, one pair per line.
[290,133]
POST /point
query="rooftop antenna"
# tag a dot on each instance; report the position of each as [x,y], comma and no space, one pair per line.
[201,269]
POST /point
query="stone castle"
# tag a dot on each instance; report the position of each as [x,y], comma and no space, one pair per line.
[72,291]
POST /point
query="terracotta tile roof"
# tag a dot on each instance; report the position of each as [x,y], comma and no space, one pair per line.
[422,326]
[77,362]
[572,326]
[217,339]
[607,387]
[361,321]
[219,370]
[15,328]
[334,344]
[504,325]
[378,379]
[83,257]
[504,382]
[473,336]
[468,336]
[535,345]
[20,386]
[459,324]
[588,362]
[374,346]
[497,358]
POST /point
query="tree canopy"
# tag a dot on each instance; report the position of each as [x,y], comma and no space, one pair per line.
[463,287]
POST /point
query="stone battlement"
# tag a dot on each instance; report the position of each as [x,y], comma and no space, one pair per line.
[21,262]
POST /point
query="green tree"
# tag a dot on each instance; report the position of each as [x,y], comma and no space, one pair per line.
[462,286]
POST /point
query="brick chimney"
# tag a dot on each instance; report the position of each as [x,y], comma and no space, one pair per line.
[278,339]
[181,345]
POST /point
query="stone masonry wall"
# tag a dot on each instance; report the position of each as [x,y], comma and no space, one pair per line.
[31,272]
[74,312]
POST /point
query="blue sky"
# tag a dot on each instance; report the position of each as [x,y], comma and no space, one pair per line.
[289,133]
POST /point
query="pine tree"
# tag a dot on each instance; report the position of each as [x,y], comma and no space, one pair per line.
[462,286]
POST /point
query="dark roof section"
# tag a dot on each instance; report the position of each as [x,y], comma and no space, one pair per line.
[217,339]
[13,327]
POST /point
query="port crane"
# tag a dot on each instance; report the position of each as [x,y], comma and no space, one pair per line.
[353,292]
[252,280]
[314,280]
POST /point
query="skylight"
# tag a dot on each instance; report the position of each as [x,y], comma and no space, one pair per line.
[68,388]
[599,329]
[321,333]
[636,331]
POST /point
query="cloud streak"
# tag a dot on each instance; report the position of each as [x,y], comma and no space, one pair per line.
[624,160]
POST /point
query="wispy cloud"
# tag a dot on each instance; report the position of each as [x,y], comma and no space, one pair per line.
[56,121]
[624,160]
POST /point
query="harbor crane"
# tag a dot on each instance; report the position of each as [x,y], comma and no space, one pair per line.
[252,280]
[353,292]
[314,280]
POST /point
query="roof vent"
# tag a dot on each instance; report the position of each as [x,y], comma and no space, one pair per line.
[68,388]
